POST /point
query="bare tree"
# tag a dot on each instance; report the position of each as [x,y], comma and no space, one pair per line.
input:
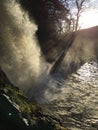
[79,6]
[76,7]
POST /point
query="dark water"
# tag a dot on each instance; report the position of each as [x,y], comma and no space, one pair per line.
[75,100]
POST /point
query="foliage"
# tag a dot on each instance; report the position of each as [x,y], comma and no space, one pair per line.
[51,17]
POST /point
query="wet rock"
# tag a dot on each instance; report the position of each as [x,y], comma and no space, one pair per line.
[20,113]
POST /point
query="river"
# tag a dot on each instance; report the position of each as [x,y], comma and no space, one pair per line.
[75,100]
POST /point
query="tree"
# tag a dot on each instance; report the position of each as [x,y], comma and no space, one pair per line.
[79,6]
[76,7]
[45,11]
[48,14]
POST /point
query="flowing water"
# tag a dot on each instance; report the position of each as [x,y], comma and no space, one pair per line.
[73,100]
[20,55]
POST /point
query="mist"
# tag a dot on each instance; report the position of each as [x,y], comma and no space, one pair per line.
[20,54]
[22,60]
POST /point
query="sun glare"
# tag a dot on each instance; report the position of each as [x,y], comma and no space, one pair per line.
[88,19]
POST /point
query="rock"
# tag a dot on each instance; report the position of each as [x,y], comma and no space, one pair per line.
[27,115]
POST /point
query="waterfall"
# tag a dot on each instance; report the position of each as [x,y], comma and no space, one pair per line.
[20,54]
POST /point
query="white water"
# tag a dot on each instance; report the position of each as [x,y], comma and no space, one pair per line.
[20,55]
[74,100]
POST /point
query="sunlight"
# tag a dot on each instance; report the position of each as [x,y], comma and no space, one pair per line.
[88,19]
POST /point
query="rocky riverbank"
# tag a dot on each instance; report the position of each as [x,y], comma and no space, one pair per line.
[17,112]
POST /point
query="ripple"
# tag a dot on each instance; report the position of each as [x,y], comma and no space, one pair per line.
[75,100]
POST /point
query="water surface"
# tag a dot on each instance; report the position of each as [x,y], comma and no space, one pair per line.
[75,100]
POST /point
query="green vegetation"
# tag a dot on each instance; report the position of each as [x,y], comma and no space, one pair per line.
[28,110]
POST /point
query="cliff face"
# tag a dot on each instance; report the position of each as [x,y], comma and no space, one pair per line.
[16,112]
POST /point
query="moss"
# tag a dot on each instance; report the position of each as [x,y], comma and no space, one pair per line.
[58,127]
[30,111]
[20,99]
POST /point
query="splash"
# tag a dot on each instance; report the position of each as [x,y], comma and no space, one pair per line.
[20,55]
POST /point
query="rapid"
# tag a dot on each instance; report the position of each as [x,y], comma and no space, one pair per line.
[74,100]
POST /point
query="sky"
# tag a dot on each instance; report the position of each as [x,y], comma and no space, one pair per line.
[90,18]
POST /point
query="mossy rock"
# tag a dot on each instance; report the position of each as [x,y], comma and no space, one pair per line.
[29,110]
[59,127]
